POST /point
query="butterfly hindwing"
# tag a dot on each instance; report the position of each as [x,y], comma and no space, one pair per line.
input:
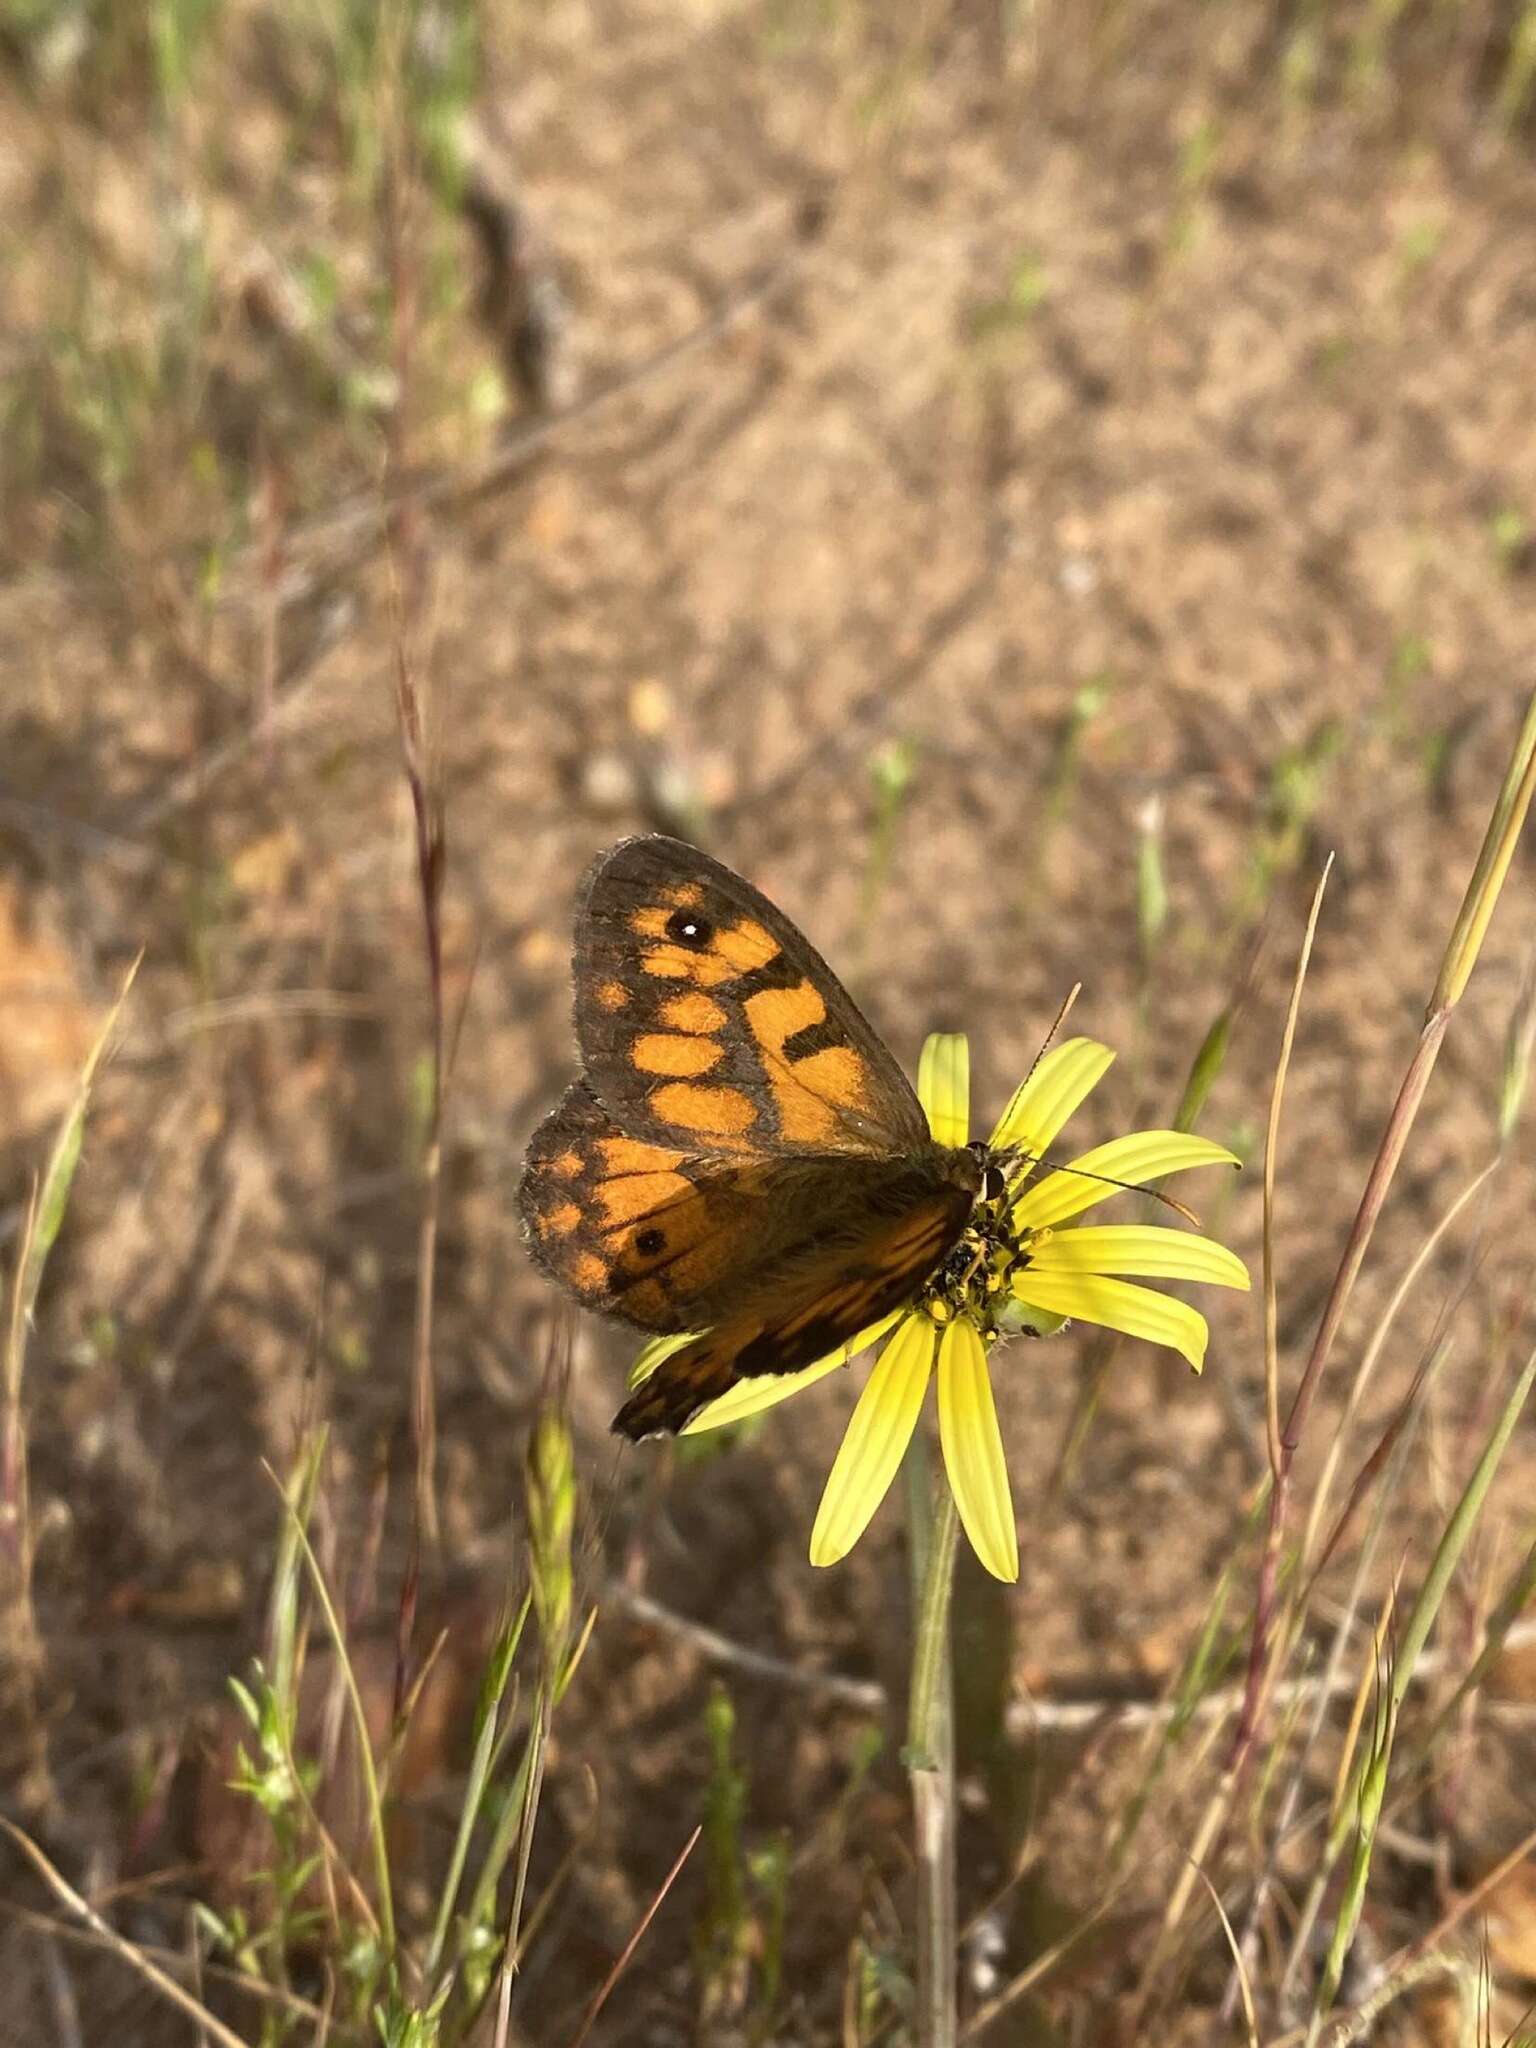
[708,1021]
[670,1241]
[841,1296]
[591,1194]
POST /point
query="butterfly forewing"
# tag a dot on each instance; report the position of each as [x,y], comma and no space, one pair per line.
[707,1020]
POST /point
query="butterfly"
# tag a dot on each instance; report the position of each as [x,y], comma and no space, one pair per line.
[741,1156]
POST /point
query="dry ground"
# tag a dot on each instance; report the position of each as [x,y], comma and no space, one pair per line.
[1105,422]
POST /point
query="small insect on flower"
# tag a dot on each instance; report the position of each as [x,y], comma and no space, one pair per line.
[744,1170]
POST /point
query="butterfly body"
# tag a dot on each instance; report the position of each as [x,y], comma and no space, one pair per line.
[742,1156]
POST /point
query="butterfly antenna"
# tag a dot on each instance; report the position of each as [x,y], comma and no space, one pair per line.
[1056,1023]
[1129,1187]
[1106,1180]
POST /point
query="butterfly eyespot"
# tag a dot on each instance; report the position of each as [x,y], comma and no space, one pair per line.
[685,928]
[649,1242]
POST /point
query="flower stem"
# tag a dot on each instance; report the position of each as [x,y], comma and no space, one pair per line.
[930,1753]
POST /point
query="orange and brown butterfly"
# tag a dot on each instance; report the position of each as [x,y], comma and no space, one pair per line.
[741,1157]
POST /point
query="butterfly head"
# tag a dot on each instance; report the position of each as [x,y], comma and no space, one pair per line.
[993,1184]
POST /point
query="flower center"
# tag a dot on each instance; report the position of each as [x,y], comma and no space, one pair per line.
[974,1281]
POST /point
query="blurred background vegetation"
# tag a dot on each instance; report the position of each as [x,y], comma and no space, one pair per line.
[1022,482]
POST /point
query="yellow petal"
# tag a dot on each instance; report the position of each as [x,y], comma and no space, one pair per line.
[973,1451]
[1123,1162]
[1118,1305]
[650,1355]
[750,1397]
[1047,1096]
[878,1434]
[1141,1248]
[944,1085]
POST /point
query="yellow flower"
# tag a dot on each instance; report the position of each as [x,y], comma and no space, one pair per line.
[1015,1269]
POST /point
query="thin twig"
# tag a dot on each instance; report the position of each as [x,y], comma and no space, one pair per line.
[1369,1358]
[1250,2015]
[1362,1804]
[1279,1456]
[408,576]
[262,1006]
[341,538]
[66,2008]
[1469,1901]
[270,509]
[1359,2024]
[1332,1671]
[67,1896]
[371,1794]
[15,1520]
[621,1963]
[1292,1793]
[866,1694]
[1479,899]
[211,1270]
[1271,1162]
[45,821]
[1039,1967]
[537,1742]
[197,778]
[1065,1717]
[431,859]
[258,1989]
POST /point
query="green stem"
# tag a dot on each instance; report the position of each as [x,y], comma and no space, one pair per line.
[930,1752]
